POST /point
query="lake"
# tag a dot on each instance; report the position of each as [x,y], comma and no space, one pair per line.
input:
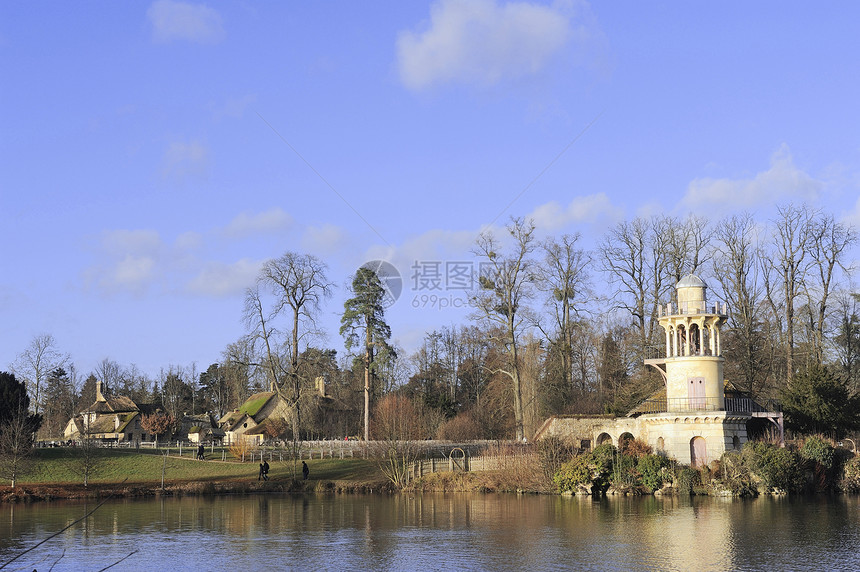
[455,531]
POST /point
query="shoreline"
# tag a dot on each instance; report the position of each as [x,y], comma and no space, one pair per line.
[42,492]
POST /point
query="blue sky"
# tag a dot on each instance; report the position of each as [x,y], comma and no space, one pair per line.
[153,155]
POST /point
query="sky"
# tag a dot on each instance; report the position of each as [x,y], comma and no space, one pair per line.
[154,154]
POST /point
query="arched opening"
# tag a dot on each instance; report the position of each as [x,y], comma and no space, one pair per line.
[698,452]
[736,443]
[681,337]
[661,445]
[604,438]
[624,441]
[695,340]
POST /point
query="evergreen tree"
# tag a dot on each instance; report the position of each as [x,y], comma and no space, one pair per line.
[363,322]
[816,401]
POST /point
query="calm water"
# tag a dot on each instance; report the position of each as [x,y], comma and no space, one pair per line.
[432,532]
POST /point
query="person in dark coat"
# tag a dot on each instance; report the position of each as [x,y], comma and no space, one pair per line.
[200,451]
[265,470]
[305,470]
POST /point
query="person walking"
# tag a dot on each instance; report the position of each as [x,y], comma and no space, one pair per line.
[305,471]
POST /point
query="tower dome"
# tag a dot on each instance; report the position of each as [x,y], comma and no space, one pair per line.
[691,281]
[691,294]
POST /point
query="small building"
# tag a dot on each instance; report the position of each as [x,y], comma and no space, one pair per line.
[199,429]
[111,418]
[698,416]
[249,419]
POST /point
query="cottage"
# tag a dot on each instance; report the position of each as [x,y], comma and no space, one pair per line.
[110,418]
[250,419]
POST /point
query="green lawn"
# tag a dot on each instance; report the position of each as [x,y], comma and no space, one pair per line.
[55,466]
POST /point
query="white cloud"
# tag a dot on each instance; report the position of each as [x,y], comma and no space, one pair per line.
[184,21]
[271,221]
[852,217]
[186,160]
[220,279]
[782,181]
[326,240]
[552,216]
[122,242]
[481,42]
[130,260]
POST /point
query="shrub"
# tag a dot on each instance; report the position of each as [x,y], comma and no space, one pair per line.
[624,474]
[552,454]
[574,473]
[851,475]
[652,471]
[777,468]
[687,480]
[604,456]
[463,427]
[817,449]
[634,448]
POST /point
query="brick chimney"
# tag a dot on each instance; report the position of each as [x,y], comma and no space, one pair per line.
[99,395]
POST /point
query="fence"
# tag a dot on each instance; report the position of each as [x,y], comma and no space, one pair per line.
[696,404]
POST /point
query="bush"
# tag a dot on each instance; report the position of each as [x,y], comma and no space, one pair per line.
[463,427]
[817,449]
[687,480]
[574,473]
[652,471]
[851,475]
[778,469]
[634,448]
[552,454]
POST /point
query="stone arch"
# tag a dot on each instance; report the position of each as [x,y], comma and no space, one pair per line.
[698,452]
[603,438]
[695,340]
[661,445]
[736,443]
[625,439]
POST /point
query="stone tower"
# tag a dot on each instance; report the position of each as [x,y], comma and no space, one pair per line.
[694,362]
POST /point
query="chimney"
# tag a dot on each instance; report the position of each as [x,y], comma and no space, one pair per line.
[99,395]
[321,385]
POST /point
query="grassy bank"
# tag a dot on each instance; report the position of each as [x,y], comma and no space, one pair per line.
[138,473]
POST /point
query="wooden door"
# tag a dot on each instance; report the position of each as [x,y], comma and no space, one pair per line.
[696,392]
[698,452]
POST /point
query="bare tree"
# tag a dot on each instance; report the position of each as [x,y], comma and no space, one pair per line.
[828,244]
[736,267]
[506,288]
[35,364]
[563,276]
[110,374]
[633,255]
[786,269]
[687,245]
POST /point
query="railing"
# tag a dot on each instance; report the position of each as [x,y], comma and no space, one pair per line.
[690,309]
[696,404]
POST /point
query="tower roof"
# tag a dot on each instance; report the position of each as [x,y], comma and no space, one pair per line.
[691,281]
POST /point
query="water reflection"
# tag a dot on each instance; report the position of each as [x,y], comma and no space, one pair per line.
[455,531]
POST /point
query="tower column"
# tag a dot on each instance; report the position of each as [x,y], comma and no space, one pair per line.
[689,339]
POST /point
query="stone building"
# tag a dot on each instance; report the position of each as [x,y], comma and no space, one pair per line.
[698,415]
[111,418]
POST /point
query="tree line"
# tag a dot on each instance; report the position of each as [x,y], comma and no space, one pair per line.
[554,328]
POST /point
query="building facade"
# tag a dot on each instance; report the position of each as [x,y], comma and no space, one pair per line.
[694,419]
